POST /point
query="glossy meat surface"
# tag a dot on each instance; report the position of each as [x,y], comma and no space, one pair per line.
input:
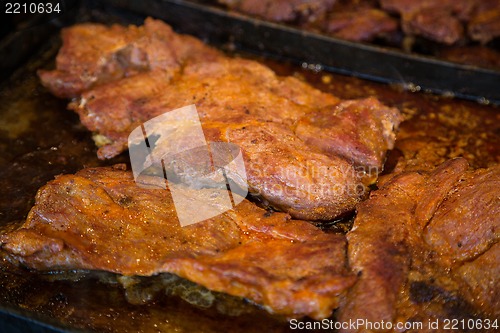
[426,246]
[100,219]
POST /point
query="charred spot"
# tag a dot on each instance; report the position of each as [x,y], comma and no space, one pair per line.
[125,201]
[268,214]
[423,292]
[457,307]
[459,244]
[254,141]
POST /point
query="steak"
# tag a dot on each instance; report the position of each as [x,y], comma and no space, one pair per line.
[276,121]
[425,246]
[99,219]
[299,11]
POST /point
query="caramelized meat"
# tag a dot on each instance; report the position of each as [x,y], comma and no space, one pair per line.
[484,25]
[276,122]
[444,21]
[100,219]
[413,232]
[441,21]
[354,136]
[282,10]
[93,54]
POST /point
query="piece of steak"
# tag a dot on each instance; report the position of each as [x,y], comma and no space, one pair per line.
[484,25]
[440,21]
[99,219]
[425,246]
[275,120]
[282,10]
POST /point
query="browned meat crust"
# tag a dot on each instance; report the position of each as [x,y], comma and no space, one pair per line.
[283,10]
[100,219]
[416,230]
[275,121]
[93,54]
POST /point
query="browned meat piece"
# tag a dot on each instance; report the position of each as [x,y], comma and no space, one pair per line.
[484,25]
[460,8]
[416,229]
[282,10]
[435,24]
[362,25]
[93,53]
[481,276]
[441,21]
[354,136]
[243,102]
[100,219]
[281,168]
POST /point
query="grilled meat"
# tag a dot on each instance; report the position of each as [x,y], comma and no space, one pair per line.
[283,10]
[100,219]
[417,242]
[484,25]
[93,54]
[445,21]
[363,25]
[276,121]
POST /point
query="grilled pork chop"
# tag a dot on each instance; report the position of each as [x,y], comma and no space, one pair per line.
[425,246]
[100,219]
[306,152]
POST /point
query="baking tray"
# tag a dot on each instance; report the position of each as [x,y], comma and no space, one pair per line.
[320,52]
[46,140]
